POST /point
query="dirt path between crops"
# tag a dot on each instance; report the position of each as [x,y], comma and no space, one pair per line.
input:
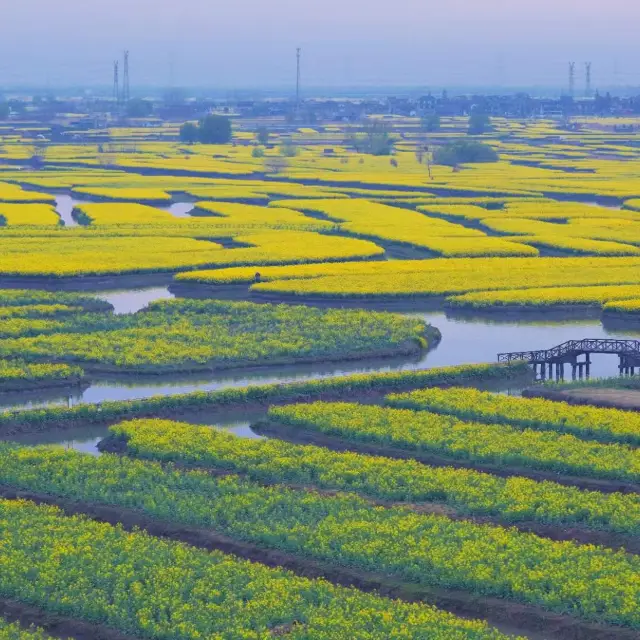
[57,626]
[535,622]
[626,399]
[299,435]
[558,532]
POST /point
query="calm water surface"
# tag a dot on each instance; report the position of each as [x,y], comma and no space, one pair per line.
[181,209]
[132,300]
[86,439]
[464,340]
[64,207]
[66,203]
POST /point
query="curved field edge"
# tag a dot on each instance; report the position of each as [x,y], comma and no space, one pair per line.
[31,623]
[612,397]
[520,618]
[449,437]
[427,499]
[429,339]
[472,405]
[300,435]
[196,580]
[17,376]
[186,335]
[361,385]
[496,611]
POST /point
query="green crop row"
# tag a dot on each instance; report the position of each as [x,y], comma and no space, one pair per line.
[155,588]
[186,335]
[424,432]
[13,373]
[344,386]
[52,310]
[16,632]
[24,297]
[469,492]
[589,423]
[343,530]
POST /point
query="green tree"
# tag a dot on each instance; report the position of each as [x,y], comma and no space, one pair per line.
[262,136]
[479,121]
[258,152]
[275,164]
[430,122]
[189,133]
[215,129]
[375,138]
[139,108]
[288,149]
[464,152]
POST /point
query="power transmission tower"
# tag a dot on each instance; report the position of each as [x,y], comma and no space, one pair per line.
[126,95]
[116,82]
[298,52]
[572,79]
[587,91]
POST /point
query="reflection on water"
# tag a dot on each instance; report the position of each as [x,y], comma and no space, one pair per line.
[132,300]
[66,203]
[181,209]
[471,340]
[464,340]
[86,439]
[64,207]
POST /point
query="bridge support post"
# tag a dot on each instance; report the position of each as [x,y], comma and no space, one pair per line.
[542,361]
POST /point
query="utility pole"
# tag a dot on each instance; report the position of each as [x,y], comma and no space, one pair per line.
[587,67]
[298,52]
[126,95]
[116,83]
[572,79]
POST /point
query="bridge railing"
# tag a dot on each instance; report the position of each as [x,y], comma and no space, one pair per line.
[629,348]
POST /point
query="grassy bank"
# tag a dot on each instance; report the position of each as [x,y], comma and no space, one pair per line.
[339,387]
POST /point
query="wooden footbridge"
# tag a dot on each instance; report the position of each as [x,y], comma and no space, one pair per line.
[570,352]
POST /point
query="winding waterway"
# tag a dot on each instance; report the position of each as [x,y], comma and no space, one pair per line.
[464,340]
[65,203]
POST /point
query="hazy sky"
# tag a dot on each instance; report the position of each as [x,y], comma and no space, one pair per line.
[244,43]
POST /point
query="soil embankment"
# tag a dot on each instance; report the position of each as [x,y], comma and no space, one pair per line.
[534,621]
[610,398]
[299,435]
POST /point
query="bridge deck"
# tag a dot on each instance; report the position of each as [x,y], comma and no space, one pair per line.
[629,350]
